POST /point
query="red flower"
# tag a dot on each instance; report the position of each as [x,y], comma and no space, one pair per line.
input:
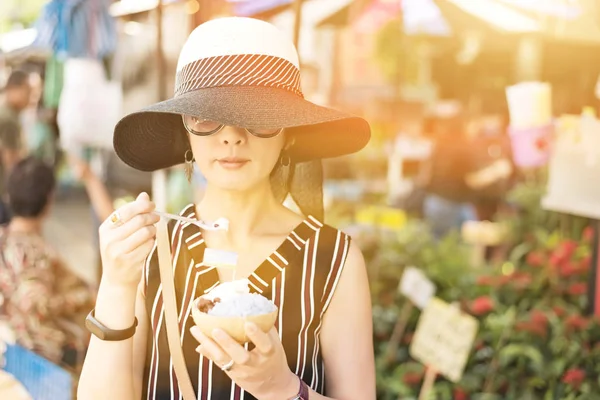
[412,378]
[492,281]
[535,259]
[559,311]
[555,260]
[531,327]
[577,289]
[563,253]
[576,323]
[585,263]
[568,247]
[539,318]
[460,394]
[521,280]
[588,234]
[574,377]
[567,269]
[482,305]
[486,281]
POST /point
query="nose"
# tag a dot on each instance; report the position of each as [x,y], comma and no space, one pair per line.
[232,136]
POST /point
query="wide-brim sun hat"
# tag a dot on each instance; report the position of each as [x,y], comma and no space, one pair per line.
[241,72]
[245,73]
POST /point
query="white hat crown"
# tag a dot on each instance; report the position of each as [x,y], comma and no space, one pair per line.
[237,51]
[234,36]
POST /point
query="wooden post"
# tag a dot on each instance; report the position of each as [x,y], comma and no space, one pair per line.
[297,21]
[159,178]
[594,281]
[160,55]
[398,332]
[428,382]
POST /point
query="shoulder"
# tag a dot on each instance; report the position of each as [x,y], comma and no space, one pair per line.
[328,235]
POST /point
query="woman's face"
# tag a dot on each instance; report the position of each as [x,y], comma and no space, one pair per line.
[234,159]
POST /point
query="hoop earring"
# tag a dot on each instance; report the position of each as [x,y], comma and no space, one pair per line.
[285,159]
[189,165]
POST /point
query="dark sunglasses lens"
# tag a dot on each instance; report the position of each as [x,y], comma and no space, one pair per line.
[200,127]
[265,133]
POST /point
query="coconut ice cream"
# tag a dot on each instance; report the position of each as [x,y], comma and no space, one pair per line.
[233,299]
[229,305]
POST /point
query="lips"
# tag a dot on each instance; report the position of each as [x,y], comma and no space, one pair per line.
[232,162]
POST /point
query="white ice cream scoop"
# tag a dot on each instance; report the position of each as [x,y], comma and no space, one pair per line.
[227,290]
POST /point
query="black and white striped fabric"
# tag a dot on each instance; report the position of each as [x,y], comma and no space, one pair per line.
[300,277]
[239,70]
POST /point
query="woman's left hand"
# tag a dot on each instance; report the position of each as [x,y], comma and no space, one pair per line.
[263,372]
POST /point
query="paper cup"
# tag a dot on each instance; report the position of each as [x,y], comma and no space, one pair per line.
[234,326]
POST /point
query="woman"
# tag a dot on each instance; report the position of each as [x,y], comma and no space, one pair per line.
[238,114]
[41,300]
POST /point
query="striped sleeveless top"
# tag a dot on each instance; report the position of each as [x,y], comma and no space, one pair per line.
[300,277]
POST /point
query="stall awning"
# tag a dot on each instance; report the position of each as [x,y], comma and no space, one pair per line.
[129,7]
[497,15]
[249,8]
[574,21]
[420,16]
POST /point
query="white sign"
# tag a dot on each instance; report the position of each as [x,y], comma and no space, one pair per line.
[417,287]
[444,338]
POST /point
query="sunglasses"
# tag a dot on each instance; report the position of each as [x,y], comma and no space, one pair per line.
[205,127]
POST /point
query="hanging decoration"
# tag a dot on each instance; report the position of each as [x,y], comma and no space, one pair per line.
[77,29]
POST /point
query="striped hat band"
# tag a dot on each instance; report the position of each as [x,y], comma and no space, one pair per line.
[239,70]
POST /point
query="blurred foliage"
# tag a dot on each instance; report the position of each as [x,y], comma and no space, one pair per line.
[19,13]
[535,339]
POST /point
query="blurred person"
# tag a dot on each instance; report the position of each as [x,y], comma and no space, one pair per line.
[470,169]
[100,198]
[245,130]
[442,177]
[17,97]
[43,300]
[98,193]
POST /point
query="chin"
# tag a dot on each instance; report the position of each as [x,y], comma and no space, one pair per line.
[235,183]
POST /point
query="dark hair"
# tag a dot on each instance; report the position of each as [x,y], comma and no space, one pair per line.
[17,79]
[29,186]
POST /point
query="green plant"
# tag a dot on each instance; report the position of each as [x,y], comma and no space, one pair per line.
[534,342]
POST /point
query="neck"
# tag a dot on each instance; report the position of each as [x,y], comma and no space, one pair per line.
[245,210]
[25,225]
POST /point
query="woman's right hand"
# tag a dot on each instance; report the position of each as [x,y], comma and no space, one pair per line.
[124,246]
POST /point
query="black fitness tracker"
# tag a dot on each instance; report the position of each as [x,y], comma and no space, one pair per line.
[110,335]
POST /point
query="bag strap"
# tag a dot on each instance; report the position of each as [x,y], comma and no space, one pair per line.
[169,300]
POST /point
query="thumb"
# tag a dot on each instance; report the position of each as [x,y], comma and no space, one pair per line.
[143,197]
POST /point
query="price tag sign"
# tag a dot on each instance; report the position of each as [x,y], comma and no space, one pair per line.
[444,339]
[483,233]
[416,287]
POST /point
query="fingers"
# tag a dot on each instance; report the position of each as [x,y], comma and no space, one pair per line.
[209,348]
[141,206]
[138,231]
[221,349]
[262,341]
[237,353]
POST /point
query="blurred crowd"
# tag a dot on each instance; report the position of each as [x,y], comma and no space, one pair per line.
[42,301]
